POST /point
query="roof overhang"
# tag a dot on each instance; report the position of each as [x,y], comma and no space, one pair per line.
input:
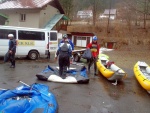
[4,16]
[52,22]
[65,18]
[82,34]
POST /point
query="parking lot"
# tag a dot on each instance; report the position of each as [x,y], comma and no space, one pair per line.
[99,96]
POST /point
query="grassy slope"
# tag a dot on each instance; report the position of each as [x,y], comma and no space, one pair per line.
[119,31]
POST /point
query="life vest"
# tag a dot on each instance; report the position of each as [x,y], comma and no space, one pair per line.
[64,49]
[94,47]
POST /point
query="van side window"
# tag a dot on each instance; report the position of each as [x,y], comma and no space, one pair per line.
[4,33]
[53,36]
[31,35]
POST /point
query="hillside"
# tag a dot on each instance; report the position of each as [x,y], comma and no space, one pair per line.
[119,32]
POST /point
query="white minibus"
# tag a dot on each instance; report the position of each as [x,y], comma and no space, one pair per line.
[31,42]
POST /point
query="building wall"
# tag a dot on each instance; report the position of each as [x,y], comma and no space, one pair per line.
[81,41]
[35,18]
[85,14]
[46,14]
[32,18]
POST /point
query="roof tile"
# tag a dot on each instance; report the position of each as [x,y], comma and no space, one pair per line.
[17,4]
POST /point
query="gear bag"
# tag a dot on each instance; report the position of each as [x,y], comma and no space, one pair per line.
[7,57]
[87,54]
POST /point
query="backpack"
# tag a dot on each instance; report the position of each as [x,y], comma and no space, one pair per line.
[87,54]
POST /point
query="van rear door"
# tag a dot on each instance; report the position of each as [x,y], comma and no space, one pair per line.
[53,41]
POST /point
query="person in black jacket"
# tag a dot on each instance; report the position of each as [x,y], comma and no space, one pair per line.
[12,50]
[64,52]
[65,36]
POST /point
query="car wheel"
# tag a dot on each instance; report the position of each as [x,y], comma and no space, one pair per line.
[33,55]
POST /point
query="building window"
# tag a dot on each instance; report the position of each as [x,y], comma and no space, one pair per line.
[22,17]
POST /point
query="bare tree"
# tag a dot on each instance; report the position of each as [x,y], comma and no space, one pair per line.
[96,6]
[108,30]
[126,13]
[68,7]
[139,7]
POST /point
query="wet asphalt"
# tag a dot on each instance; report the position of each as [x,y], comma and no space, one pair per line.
[99,96]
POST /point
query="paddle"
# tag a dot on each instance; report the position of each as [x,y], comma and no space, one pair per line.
[2,89]
[48,95]
[78,64]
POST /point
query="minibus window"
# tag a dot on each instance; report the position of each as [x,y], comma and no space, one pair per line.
[4,33]
[31,35]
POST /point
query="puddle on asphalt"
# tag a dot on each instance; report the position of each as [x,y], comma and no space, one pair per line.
[124,87]
[114,91]
[34,66]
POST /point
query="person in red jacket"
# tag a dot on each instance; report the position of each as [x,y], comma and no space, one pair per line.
[94,46]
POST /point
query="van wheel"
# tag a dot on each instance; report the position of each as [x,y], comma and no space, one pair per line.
[76,58]
[33,55]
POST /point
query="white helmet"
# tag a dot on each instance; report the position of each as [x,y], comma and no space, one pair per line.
[10,35]
[65,36]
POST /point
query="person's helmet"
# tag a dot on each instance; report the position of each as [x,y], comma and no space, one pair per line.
[94,38]
[65,36]
[10,35]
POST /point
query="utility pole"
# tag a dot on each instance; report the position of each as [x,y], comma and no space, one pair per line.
[108,29]
[94,13]
[145,13]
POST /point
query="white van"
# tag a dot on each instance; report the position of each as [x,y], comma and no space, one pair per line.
[31,42]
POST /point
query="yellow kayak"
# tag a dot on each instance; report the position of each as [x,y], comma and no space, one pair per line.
[142,74]
[109,69]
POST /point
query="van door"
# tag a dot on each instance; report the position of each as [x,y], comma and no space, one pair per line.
[53,41]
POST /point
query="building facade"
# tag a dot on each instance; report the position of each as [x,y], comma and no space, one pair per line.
[33,13]
[81,39]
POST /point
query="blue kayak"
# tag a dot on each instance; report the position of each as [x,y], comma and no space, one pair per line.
[76,75]
[34,99]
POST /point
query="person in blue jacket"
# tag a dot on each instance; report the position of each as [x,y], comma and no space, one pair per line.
[64,53]
[12,50]
[70,42]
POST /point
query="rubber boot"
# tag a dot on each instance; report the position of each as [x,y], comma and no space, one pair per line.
[64,72]
[12,64]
